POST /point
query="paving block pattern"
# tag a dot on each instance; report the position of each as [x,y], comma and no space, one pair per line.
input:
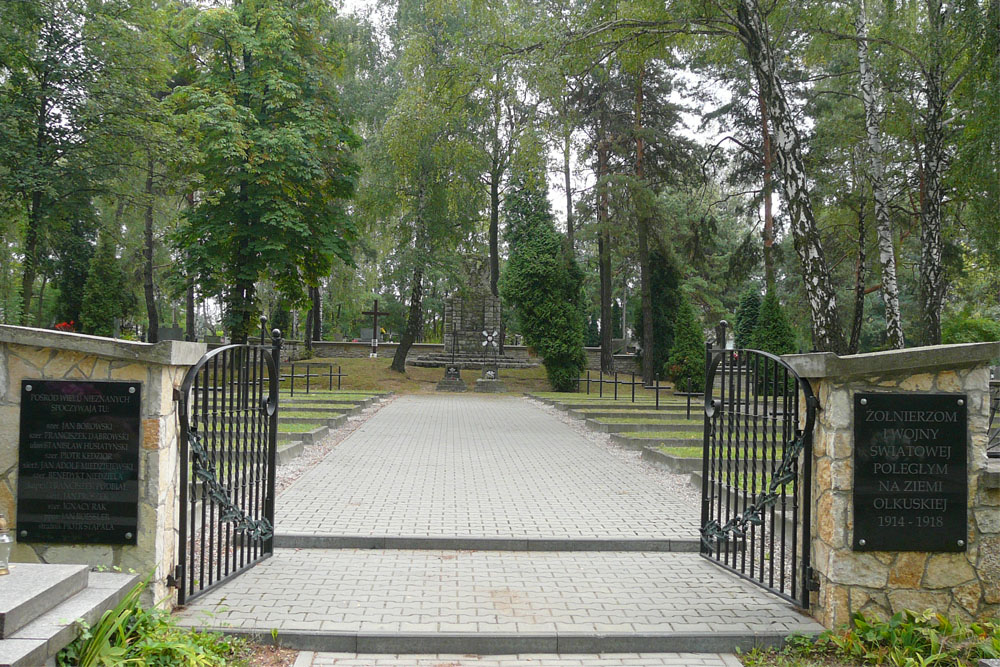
[493,467]
[547,594]
[310,659]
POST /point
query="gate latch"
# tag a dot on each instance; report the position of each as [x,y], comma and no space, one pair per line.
[812,580]
[173,580]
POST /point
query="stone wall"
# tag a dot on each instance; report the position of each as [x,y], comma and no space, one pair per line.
[465,319]
[37,354]
[962,585]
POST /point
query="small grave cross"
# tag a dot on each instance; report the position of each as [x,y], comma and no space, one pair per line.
[374,312]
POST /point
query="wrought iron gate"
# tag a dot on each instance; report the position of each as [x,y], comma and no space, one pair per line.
[756,477]
[228,435]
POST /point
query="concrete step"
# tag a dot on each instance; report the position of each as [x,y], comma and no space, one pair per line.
[313,400]
[497,602]
[632,442]
[664,415]
[332,422]
[319,410]
[32,589]
[40,640]
[308,437]
[326,659]
[606,427]
[424,542]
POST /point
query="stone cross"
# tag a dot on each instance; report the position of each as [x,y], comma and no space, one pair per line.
[374,312]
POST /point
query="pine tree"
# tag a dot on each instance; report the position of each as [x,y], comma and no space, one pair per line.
[664,278]
[687,354]
[747,314]
[773,332]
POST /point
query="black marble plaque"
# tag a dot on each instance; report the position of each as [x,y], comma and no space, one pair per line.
[910,479]
[78,471]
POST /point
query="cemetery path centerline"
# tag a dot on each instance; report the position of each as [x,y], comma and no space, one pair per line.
[487,467]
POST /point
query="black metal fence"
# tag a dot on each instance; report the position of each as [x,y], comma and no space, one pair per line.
[229,424]
[993,444]
[690,390]
[306,373]
[756,477]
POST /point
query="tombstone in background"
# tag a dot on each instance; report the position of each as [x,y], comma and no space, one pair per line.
[365,335]
[170,333]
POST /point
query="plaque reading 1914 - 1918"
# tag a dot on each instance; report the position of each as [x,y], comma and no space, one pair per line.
[910,482]
[78,472]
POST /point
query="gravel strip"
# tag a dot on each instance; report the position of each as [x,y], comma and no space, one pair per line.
[679,486]
[314,453]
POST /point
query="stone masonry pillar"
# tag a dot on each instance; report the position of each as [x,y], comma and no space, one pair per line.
[963,584]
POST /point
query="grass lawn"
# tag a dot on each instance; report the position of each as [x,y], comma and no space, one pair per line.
[315,414]
[665,435]
[368,375]
[624,398]
[296,428]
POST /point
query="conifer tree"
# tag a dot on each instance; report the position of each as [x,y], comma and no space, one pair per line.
[105,294]
[747,314]
[687,354]
[773,332]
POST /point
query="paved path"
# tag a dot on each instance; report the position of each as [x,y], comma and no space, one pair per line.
[485,467]
[470,468]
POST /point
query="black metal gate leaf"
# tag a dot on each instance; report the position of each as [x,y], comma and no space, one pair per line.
[756,476]
[228,447]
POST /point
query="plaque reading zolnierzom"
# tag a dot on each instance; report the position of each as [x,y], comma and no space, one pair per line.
[78,471]
[910,481]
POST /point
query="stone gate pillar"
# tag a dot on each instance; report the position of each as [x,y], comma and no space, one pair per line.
[28,354]
[893,432]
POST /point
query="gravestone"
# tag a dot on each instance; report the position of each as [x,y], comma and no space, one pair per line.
[470,311]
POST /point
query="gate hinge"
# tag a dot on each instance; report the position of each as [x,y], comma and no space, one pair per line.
[814,401]
[812,580]
[173,580]
[177,394]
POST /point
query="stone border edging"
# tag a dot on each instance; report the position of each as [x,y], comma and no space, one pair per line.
[304,541]
[417,643]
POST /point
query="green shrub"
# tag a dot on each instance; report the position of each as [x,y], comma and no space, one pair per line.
[130,634]
[747,313]
[964,328]
[773,333]
[687,354]
[543,284]
[907,639]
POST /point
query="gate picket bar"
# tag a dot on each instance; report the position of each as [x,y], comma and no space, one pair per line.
[757,470]
[993,444]
[228,446]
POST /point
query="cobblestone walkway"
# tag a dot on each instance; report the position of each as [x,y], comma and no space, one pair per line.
[470,467]
[490,467]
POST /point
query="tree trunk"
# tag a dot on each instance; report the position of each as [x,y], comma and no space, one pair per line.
[768,215]
[931,245]
[567,178]
[317,306]
[604,257]
[30,257]
[826,327]
[876,177]
[859,284]
[413,321]
[642,225]
[190,332]
[494,233]
[153,334]
[307,333]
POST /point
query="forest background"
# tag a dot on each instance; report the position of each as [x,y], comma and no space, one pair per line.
[199,163]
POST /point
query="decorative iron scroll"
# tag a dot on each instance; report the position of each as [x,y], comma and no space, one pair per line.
[230,512]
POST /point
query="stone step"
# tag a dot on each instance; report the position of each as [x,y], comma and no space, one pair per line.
[318,409]
[461,542]
[662,415]
[631,442]
[305,399]
[308,437]
[497,602]
[39,641]
[31,589]
[332,422]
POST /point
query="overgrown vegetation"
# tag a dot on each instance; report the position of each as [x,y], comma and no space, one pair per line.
[131,634]
[908,639]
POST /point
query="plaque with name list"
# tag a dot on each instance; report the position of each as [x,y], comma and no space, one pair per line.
[78,466]
[910,477]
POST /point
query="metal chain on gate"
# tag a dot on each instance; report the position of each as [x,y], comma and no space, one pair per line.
[713,532]
[204,469]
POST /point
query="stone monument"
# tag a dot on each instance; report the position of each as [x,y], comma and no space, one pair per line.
[490,381]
